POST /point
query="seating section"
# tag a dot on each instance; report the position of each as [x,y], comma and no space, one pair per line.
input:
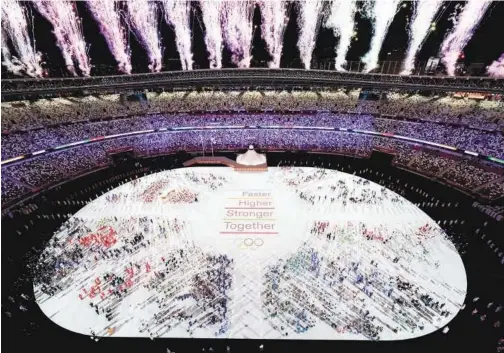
[49,168]
[474,125]
[12,189]
[492,190]
[482,114]
[488,143]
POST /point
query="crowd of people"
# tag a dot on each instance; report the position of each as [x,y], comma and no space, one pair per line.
[152,254]
[479,112]
[463,122]
[328,280]
[38,171]
[480,141]
[107,257]
[363,322]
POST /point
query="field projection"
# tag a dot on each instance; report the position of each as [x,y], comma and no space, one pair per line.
[294,253]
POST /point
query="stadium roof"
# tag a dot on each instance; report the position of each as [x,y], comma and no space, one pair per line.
[243,79]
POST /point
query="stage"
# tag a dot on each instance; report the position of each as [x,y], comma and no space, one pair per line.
[290,253]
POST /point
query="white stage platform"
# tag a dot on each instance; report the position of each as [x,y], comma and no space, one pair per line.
[297,253]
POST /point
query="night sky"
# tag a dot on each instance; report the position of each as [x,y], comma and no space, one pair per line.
[486,45]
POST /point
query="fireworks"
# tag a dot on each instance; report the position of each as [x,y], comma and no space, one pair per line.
[274,21]
[237,27]
[7,60]
[463,30]
[496,69]
[177,14]
[424,12]
[229,23]
[15,28]
[310,16]
[143,17]
[106,14]
[341,20]
[68,32]
[211,12]
[382,13]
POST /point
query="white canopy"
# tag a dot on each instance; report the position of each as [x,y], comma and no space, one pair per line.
[251,157]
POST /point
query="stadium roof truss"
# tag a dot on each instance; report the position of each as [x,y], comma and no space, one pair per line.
[243,78]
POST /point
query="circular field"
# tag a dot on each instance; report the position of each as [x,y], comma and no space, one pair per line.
[294,253]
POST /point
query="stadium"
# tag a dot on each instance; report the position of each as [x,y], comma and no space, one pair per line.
[252,176]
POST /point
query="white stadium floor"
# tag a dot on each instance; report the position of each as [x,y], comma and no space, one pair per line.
[295,253]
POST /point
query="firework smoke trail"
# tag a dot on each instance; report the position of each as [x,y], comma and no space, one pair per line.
[15,27]
[177,14]
[310,17]
[236,17]
[12,64]
[273,24]
[143,18]
[68,31]
[342,21]
[106,14]
[423,15]
[381,13]
[462,32]
[211,13]
[496,69]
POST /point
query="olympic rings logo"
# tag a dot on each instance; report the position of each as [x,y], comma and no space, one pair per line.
[249,243]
